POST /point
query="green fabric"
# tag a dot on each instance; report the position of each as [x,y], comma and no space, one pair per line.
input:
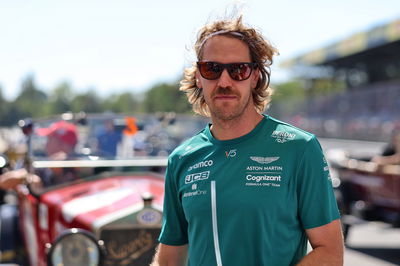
[271,185]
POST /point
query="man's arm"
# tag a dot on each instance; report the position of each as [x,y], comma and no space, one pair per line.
[167,255]
[11,179]
[327,243]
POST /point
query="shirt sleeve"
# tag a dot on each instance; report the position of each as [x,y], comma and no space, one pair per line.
[174,227]
[317,202]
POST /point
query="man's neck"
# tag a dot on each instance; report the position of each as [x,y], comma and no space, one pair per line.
[234,128]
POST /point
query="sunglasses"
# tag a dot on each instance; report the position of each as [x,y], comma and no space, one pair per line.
[237,71]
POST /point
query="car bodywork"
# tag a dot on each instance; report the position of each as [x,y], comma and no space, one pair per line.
[367,191]
[111,206]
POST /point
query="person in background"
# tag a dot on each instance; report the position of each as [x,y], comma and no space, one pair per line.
[11,179]
[62,138]
[61,141]
[11,247]
[108,139]
[248,189]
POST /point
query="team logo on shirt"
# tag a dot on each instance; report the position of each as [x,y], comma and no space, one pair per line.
[264,174]
[263,180]
[201,164]
[231,153]
[282,136]
[264,160]
[196,177]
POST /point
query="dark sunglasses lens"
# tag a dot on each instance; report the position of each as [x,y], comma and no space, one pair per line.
[210,70]
[240,71]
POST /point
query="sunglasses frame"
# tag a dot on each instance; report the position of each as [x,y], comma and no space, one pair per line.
[228,67]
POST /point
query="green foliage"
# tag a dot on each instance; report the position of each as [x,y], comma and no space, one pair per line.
[294,97]
[3,103]
[88,102]
[288,98]
[31,100]
[122,103]
[290,89]
[6,111]
[166,98]
[327,86]
[60,99]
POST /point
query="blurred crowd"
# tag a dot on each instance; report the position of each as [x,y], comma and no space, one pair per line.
[104,135]
[369,113]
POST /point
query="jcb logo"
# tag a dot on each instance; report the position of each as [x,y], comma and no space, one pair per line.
[196,177]
[231,153]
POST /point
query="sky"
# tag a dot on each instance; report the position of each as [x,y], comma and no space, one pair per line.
[130,45]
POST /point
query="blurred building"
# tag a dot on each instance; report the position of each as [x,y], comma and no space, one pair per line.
[367,64]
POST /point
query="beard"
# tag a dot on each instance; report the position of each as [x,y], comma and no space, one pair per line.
[228,111]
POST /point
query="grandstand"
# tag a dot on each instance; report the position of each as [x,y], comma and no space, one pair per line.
[368,64]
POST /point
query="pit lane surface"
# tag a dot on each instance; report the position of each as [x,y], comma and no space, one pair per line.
[374,243]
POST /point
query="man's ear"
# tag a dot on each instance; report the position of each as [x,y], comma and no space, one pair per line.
[198,80]
[254,78]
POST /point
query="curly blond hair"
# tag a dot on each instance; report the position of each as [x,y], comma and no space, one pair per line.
[261,52]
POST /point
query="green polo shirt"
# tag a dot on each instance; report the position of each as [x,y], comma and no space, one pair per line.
[247,201]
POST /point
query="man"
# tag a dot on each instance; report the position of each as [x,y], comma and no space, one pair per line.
[62,138]
[108,139]
[11,179]
[248,189]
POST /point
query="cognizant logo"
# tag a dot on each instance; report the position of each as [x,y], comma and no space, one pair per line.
[259,178]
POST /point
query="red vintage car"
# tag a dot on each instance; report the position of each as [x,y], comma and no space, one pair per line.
[94,206]
[368,191]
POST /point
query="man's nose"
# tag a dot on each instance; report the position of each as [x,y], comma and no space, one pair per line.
[224,80]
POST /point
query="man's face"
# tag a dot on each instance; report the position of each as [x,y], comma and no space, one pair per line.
[55,145]
[226,98]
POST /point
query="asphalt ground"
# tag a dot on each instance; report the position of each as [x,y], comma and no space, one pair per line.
[373,244]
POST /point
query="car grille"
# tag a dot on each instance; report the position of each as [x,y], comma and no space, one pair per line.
[129,246]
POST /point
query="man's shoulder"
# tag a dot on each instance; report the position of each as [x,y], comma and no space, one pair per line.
[190,145]
[285,131]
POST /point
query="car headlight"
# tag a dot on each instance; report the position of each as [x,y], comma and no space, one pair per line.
[3,161]
[75,247]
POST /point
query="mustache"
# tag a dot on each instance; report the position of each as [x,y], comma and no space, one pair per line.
[224,91]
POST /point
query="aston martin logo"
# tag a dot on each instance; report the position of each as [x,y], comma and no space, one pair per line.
[264,160]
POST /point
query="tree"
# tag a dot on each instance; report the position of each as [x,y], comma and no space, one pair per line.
[31,101]
[60,99]
[122,103]
[290,89]
[288,99]
[166,97]
[3,103]
[88,102]
[4,107]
